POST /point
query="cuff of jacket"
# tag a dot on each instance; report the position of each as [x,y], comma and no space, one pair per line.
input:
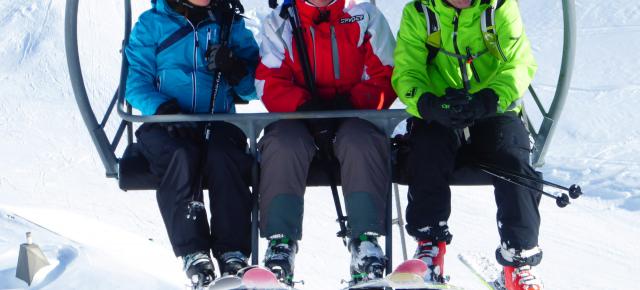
[246,88]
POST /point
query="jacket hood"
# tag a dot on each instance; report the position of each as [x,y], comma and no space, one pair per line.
[161,6]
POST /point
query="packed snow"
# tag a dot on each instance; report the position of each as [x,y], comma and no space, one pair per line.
[95,236]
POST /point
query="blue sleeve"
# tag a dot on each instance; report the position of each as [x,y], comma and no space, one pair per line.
[244,45]
[142,92]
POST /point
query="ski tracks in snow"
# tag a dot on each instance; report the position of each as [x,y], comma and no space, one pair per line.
[33,18]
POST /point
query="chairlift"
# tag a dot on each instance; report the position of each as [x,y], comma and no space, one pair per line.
[131,169]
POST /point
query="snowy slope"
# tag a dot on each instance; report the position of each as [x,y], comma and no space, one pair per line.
[50,173]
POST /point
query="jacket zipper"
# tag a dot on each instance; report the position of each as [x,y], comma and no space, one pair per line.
[208,38]
[195,66]
[470,60]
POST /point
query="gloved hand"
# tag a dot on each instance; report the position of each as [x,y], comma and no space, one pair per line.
[323,129]
[221,58]
[323,132]
[481,105]
[313,104]
[184,130]
[446,110]
[342,102]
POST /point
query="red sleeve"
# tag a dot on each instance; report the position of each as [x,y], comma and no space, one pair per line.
[376,91]
[280,93]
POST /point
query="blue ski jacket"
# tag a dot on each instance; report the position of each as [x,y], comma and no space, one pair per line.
[179,71]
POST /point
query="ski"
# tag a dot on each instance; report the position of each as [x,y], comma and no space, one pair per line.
[226,283]
[260,278]
[483,268]
[408,275]
[249,278]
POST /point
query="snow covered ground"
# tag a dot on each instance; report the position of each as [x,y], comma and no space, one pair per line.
[104,238]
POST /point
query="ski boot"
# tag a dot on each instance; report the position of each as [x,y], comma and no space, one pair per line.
[367,259]
[519,268]
[280,258]
[520,278]
[199,269]
[433,255]
[231,262]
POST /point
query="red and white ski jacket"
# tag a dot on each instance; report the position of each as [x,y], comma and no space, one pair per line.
[350,51]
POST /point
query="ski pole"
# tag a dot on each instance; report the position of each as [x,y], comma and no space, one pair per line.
[196,205]
[574,190]
[342,219]
[296,25]
[290,11]
[561,201]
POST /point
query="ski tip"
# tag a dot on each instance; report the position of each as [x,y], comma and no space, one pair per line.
[261,278]
[413,266]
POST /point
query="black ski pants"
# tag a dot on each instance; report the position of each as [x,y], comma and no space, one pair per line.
[179,162]
[435,153]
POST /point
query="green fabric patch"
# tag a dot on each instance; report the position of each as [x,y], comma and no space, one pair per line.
[284,216]
[363,214]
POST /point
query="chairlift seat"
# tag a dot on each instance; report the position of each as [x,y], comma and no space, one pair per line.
[134,173]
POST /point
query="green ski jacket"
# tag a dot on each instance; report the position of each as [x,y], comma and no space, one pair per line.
[461,36]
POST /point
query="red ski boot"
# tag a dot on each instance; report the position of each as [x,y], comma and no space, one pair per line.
[521,278]
[519,268]
[433,256]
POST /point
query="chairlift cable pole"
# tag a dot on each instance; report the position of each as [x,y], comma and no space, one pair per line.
[400,221]
[550,120]
[98,136]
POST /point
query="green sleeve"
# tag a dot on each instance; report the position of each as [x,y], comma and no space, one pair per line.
[410,79]
[516,73]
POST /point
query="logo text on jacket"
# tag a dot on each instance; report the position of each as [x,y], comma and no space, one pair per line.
[352,19]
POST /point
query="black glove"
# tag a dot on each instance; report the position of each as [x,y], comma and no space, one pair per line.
[313,104]
[323,130]
[221,58]
[342,102]
[183,130]
[445,110]
[324,134]
[481,105]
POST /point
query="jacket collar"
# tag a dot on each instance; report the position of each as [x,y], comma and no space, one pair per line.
[310,14]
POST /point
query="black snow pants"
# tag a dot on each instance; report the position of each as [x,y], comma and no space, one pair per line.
[435,153]
[226,173]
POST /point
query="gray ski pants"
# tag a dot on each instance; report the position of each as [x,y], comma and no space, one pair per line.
[286,151]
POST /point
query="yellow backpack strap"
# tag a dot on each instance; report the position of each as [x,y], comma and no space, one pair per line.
[434,40]
[489,32]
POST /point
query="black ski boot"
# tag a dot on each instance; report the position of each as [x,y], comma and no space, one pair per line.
[280,258]
[231,262]
[199,269]
[367,259]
